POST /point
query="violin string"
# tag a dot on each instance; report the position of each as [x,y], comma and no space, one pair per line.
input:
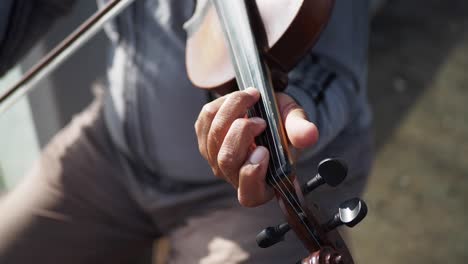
[293,203]
[278,178]
[277,184]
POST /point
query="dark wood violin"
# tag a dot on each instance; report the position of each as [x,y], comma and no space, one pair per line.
[256,43]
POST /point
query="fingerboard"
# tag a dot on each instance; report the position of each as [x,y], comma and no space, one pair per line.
[238,19]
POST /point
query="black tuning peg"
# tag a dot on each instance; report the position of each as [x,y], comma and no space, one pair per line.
[329,171]
[272,235]
[350,213]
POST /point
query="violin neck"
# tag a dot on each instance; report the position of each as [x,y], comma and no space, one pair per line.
[239,20]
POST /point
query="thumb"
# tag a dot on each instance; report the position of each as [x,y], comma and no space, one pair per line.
[301,132]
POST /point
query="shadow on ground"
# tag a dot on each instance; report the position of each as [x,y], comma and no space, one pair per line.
[418,89]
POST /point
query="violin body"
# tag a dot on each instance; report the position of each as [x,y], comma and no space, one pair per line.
[292,27]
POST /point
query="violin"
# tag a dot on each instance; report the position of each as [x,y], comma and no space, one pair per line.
[241,44]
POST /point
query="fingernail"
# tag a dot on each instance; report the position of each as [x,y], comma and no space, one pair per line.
[258,155]
[258,120]
[251,91]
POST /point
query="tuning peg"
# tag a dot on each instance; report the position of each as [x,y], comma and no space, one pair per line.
[350,213]
[272,235]
[329,171]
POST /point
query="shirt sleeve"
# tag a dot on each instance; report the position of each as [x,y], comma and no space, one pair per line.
[330,83]
[330,98]
[24,22]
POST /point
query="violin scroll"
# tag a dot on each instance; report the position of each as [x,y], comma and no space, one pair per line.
[325,255]
[319,237]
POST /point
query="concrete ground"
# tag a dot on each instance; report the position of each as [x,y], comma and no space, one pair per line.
[418,89]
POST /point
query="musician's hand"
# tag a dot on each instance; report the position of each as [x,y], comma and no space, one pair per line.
[226,140]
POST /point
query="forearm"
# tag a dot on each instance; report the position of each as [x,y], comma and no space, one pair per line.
[24,22]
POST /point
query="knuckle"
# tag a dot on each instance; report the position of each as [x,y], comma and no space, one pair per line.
[215,138]
[208,111]
[245,128]
[241,125]
[202,150]
[196,126]
[226,159]
[238,98]
[255,171]
[214,144]
[217,128]
[246,202]
[290,106]
[217,172]
[299,111]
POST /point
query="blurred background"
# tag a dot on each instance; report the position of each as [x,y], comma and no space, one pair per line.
[418,88]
